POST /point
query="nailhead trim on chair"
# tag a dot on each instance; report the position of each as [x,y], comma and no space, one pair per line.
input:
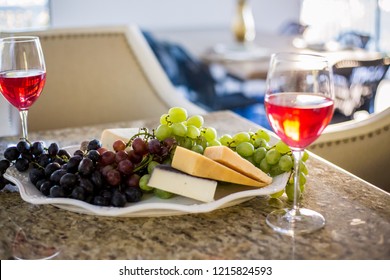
[82,36]
[352,139]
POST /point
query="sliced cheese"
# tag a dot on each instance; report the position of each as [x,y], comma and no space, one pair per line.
[166,178]
[231,159]
[109,136]
[198,165]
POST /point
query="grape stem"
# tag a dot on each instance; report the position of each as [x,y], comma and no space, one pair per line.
[143,132]
[145,161]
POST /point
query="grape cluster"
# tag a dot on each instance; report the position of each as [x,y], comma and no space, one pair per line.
[273,160]
[129,165]
[24,154]
[191,133]
[92,174]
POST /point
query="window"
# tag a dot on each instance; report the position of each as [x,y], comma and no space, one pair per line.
[24,14]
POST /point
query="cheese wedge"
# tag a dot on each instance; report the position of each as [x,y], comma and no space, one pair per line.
[198,165]
[231,159]
[109,136]
[166,178]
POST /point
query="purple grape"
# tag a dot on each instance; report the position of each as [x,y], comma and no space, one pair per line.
[139,146]
[154,146]
[134,157]
[125,167]
[113,177]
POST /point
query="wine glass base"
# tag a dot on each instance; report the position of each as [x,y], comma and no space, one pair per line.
[295,221]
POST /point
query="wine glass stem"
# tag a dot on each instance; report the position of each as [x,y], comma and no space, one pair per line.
[297,154]
[23,117]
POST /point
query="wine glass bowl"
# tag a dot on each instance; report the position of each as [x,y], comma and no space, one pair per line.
[299,103]
[22,73]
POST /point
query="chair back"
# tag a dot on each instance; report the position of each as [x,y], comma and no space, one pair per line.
[361,147]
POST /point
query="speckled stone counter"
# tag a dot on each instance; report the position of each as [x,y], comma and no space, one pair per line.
[357,216]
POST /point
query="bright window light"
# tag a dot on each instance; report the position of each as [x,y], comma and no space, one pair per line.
[328,18]
[24,14]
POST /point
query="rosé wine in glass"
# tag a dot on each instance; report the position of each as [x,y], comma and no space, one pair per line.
[299,119]
[299,103]
[22,73]
[22,88]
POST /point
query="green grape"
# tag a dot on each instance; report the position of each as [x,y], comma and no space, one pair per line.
[196,121]
[290,187]
[277,194]
[168,161]
[143,183]
[179,129]
[285,163]
[305,155]
[264,166]
[226,139]
[272,156]
[282,147]
[302,179]
[259,154]
[214,142]
[275,170]
[302,188]
[163,131]
[241,137]
[203,142]
[303,167]
[164,119]
[198,149]
[192,131]
[263,134]
[290,192]
[210,134]
[187,143]
[251,160]
[260,142]
[151,166]
[162,194]
[245,149]
[177,114]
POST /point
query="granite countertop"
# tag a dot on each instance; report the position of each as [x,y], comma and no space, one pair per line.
[357,219]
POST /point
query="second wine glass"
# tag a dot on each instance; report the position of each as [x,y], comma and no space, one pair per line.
[22,73]
[299,103]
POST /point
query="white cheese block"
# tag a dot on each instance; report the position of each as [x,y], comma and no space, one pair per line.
[109,136]
[166,178]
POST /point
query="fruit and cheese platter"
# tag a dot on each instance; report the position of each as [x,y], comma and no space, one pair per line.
[180,167]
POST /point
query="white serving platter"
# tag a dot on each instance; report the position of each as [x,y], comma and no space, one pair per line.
[150,206]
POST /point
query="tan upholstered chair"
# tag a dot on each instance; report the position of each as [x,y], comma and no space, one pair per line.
[360,147]
[101,75]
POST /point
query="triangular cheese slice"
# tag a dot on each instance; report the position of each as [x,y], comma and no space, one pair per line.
[196,164]
[231,159]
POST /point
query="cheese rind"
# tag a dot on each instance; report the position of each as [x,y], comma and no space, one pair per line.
[198,165]
[109,136]
[166,178]
[230,158]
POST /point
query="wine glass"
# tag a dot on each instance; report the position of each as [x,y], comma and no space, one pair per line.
[22,73]
[299,103]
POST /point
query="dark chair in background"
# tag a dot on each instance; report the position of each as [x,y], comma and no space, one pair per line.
[356,83]
[201,85]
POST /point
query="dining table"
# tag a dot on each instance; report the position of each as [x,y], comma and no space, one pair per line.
[357,217]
